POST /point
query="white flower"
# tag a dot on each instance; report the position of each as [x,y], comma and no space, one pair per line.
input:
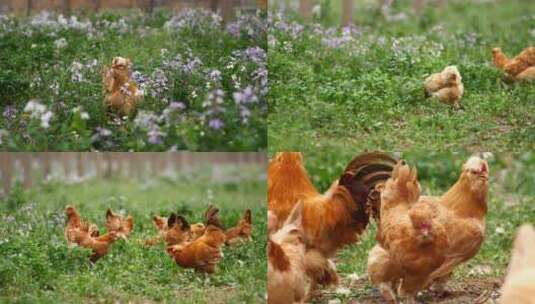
[60,43]
[84,115]
[45,119]
[35,108]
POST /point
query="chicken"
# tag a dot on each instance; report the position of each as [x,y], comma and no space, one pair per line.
[286,261]
[242,232]
[178,230]
[521,67]
[519,285]
[99,245]
[175,230]
[331,220]
[446,86]
[414,248]
[122,226]
[235,235]
[462,210]
[120,93]
[74,221]
[202,254]
[412,240]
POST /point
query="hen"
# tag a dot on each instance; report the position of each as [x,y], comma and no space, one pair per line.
[74,221]
[446,86]
[120,93]
[241,232]
[330,220]
[120,225]
[519,285]
[286,267]
[412,240]
[521,67]
[414,245]
[99,245]
[203,254]
[236,235]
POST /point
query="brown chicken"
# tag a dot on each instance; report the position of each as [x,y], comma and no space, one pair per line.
[446,86]
[203,254]
[236,235]
[242,232]
[330,220]
[99,245]
[120,225]
[74,221]
[120,93]
[412,240]
[519,285]
[414,245]
[175,230]
[521,67]
[286,261]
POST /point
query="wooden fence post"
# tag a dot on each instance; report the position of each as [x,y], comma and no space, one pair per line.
[228,9]
[262,4]
[66,7]
[29,7]
[347,12]
[305,8]
[26,164]
[80,164]
[417,6]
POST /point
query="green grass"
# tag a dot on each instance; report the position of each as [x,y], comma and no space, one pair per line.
[367,92]
[37,266]
[511,203]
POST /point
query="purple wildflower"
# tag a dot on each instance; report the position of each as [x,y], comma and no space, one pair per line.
[216,123]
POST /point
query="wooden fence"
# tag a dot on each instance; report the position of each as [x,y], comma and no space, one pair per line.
[227,8]
[28,168]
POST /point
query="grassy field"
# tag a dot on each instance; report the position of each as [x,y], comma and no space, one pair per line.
[204,82]
[511,203]
[37,266]
[362,85]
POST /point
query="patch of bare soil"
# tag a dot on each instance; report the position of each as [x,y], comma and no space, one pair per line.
[472,290]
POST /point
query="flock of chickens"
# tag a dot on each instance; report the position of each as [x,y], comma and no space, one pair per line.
[447,85]
[196,246]
[420,239]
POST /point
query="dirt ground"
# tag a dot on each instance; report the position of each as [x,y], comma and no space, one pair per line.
[473,290]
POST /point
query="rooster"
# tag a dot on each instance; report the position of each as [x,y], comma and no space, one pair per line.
[521,67]
[286,261]
[122,226]
[446,86]
[74,221]
[202,254]
[331,220]
[519,284]
[414,248]
[120,93]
